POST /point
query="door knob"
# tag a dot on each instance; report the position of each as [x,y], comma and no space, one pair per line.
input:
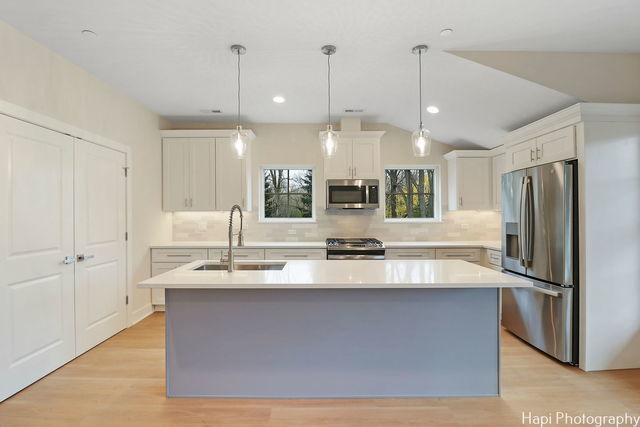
[83,257]
[68,260]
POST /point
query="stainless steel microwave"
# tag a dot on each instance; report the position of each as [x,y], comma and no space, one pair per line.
[352,194]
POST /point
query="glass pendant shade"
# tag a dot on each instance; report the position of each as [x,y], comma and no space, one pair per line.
[239,139]
[421,143]
[328,142]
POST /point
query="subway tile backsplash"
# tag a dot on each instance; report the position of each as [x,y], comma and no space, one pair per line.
[456,225]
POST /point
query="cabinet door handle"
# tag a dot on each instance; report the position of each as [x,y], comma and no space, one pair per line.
[186,202]
[355,172]
[461,201]
[532,158]
[538,154]
[350,176]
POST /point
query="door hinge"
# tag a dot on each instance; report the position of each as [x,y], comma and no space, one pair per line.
[126,300]
[126,171]
[126,235]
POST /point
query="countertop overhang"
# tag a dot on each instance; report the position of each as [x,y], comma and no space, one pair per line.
[340,274]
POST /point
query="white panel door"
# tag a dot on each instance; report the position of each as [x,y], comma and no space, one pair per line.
[100,213]
[175,174]
[230,177]
[366,159]
[202,153]
[339,166]
[36,234]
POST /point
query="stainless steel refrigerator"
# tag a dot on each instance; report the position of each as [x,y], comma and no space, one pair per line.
[539,243]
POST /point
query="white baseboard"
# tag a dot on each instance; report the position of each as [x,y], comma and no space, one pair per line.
[158,307]
[140,313]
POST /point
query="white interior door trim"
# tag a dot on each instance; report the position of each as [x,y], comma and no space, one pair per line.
[17,112]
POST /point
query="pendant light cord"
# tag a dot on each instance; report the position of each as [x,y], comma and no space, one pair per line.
[329,86]
[420,83]
[238,120]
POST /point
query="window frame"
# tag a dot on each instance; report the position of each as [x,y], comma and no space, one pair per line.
[262,218]
[437,191]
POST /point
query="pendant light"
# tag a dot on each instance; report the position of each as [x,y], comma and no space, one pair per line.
[239,137]
[420,139]
[328,138]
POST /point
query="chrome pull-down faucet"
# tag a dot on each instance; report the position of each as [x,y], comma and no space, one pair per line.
[240,236]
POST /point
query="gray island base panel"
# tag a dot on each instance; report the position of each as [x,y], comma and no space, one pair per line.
[328,343]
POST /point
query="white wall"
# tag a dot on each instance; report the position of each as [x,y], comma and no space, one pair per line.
[297,144]
[40,80]
[610,233]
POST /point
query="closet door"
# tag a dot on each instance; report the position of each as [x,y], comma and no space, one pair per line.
[36,236]
[100,225]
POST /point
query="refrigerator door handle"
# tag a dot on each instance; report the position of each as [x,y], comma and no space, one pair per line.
[521,224]
[529,218]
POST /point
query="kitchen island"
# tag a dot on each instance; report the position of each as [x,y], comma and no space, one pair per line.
[333,329]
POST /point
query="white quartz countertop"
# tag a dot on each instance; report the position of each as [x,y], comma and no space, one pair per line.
[343,274]
[322,245]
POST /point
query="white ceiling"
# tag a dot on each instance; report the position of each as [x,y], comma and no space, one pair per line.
[173,55]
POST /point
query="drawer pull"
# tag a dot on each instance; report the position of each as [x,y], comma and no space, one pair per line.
[295,256]
[178,256]
[410,255]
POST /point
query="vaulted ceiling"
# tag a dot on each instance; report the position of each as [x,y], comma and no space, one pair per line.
[173,55]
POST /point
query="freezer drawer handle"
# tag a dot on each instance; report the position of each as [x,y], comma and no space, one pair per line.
[547,291]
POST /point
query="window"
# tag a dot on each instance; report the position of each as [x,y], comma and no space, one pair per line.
[412,193]
[287,194]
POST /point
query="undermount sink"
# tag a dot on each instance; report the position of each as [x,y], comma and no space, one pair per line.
[224,267]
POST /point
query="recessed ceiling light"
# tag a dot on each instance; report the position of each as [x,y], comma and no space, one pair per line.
[446,32]
[433,109]
[88,33]
[278,99]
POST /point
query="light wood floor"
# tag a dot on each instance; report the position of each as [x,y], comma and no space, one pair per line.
[121,383]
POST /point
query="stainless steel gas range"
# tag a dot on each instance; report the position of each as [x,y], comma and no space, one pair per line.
[355,248]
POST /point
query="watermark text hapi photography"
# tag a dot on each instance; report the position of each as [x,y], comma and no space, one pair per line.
[564,418]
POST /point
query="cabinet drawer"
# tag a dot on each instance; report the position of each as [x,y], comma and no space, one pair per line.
[494,257]
[295,254]
[238,253]
[410,254]
[163,267]
[471,254]
[183,255]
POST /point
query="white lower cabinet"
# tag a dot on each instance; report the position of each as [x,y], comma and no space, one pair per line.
[410,253]
[166,259]
[239,254]
[309,254]
[466,254]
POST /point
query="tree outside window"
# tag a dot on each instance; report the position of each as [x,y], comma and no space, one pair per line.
[410,193]
[288,193]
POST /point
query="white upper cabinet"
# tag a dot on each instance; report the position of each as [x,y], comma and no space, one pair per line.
[339,166]
[230,176]
[175,174]
[202,155]
[469,180]
[357,157]
[201,173]
[551,147]
[365,158]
